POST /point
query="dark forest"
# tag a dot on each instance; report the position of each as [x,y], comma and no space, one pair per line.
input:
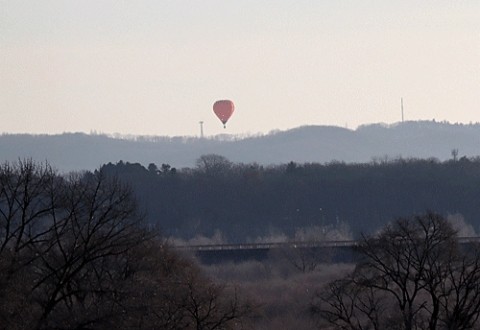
[248,201]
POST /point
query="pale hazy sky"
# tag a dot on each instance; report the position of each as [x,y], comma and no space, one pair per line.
[156,67]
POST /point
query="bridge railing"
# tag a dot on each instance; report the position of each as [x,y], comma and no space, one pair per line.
[278,245]
[265,246]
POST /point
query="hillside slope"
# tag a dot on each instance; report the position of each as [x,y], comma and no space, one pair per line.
[422,139]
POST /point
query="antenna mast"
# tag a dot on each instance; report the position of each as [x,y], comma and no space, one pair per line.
[401,101]
[201,129]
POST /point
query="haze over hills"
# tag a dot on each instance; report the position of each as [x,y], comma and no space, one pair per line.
[414,139]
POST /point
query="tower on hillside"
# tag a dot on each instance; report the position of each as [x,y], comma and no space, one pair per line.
[201,129]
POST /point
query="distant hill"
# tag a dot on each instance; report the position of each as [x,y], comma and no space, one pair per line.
[414,139]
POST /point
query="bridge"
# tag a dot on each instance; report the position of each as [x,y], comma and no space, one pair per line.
[340,250]
[269,246]
[218,253]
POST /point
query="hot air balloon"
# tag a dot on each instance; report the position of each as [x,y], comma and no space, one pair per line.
[224,110]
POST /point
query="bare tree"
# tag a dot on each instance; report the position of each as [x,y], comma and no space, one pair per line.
[305,251]
[407,261]
[417,267]
[24,204]
[213,165]
[351,306]
[170,292]
[459,297]
[25,209]
[303,257]
[82,257]
[62,245]
[76,254]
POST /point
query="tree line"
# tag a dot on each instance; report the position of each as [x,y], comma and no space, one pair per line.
[247,201]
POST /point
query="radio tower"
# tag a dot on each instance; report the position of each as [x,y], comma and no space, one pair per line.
[401,102]
[201,129]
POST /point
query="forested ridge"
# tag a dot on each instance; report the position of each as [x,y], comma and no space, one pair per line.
[410,139]
[246,202]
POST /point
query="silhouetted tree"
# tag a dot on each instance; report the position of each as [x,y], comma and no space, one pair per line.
[75,254]
[152,168]
[414,275]
[213,165]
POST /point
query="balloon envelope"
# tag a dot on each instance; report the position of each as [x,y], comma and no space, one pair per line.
[224,110]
